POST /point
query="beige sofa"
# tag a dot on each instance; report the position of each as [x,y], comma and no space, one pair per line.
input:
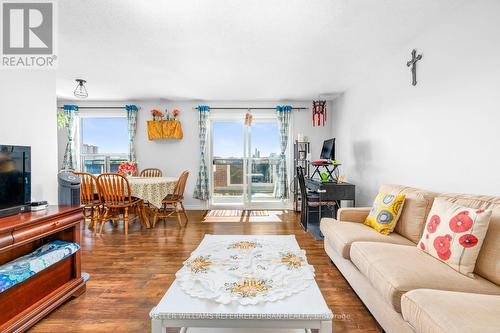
[407,290]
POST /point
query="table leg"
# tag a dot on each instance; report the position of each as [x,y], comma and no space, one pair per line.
[316,170]
[156,326]
[330,173]
[145,219]
[326,327]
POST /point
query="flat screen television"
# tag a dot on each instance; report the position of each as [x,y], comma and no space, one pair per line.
[15,179]
[328,151]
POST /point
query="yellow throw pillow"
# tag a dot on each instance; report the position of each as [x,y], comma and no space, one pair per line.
[385,212]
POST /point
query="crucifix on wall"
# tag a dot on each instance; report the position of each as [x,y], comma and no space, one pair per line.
[413,64]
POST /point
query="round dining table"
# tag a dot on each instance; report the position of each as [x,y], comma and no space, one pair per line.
[152,189]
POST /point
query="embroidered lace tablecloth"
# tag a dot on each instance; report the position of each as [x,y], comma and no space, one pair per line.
[152,189]
[246,271]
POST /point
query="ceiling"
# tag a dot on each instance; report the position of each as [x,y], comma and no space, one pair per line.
[230,49]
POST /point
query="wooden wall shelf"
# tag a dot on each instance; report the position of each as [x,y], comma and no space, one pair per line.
[164,129]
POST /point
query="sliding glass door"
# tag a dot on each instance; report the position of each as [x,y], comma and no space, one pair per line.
[228,162]
[263,139]
[244,162]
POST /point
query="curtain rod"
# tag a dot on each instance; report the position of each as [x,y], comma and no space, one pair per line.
[195,108]
[241,108]
[98,107]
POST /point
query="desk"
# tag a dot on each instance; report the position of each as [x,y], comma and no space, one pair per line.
[327,191]
[332,191]
[330,168]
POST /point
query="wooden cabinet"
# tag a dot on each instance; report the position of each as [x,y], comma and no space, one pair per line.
[29,301]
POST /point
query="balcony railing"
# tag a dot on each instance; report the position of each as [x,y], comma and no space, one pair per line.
[101,163]
[228,176]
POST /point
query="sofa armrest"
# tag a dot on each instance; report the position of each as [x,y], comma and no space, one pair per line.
[353,214]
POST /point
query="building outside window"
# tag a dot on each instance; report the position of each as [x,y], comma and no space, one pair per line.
[103,142]
[245,160]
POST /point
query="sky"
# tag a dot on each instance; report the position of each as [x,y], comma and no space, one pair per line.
[228,138]
[109,134]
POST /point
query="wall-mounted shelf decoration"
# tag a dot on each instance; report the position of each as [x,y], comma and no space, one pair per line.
[164,129]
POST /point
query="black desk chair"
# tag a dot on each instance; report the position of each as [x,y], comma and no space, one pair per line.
[312,208]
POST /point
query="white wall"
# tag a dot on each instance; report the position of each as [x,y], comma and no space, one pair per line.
[173,156]
[443,134]
[27,117]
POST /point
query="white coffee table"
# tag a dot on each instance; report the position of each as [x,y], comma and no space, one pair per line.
[305,310]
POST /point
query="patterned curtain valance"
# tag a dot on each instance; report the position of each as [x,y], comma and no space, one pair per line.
[203,108]
[131,107]
[68,107]
[284,108]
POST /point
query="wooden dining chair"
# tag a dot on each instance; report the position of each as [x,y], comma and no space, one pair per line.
[117,197]
[151,172]
[90,198]
[172,202]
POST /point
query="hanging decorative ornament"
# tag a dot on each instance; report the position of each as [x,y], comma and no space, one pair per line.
[248,118]
[319,113]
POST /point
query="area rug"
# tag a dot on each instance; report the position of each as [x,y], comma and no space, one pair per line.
[235,216]
[224,213]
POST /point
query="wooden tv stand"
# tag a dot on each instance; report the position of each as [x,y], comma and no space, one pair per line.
[29,301]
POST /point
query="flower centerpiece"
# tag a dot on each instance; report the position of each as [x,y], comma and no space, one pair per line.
[176,113]
[127,168]
[157,114]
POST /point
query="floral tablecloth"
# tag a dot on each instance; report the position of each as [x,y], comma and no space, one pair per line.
[152,189]
[247,271]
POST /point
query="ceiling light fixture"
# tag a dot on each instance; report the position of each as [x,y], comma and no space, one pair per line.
[80,90]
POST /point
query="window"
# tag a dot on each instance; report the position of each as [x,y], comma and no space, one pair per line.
[103,143]
[245,160]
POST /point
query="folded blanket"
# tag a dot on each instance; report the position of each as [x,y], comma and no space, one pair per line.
[22,268]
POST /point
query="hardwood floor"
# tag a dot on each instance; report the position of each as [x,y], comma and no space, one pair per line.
[129,275]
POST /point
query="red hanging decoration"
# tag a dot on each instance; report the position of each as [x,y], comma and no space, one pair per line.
[319,113]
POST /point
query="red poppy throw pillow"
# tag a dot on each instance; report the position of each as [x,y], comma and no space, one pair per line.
[454,234]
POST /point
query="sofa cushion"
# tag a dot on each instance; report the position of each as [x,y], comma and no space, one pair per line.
[22,268]
[416,207]
[447,311]
[454,234]
[385,212]
[396,269]
[340,235]
[488,261]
